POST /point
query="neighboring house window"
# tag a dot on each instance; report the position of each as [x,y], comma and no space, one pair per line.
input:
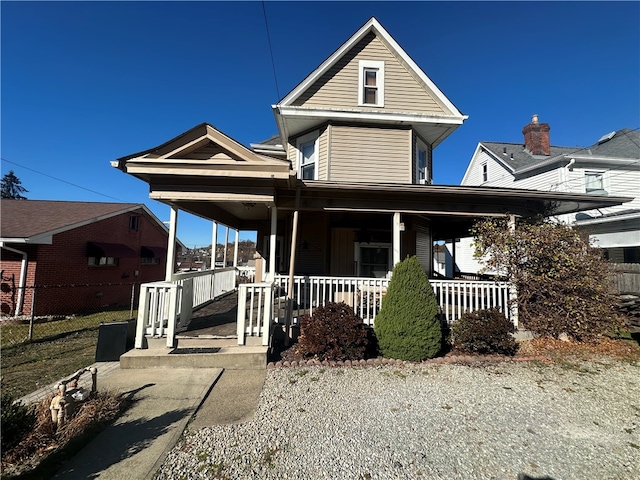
[371,83]
[103,261]
[373,259]
[593,182]
[134,223]
[308,156]
[149,260]
[485,172]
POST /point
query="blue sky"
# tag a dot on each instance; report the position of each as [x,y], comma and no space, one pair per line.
[84,83]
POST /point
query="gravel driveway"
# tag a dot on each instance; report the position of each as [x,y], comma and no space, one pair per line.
[571,421]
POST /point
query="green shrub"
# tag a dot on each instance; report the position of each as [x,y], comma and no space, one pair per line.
[407,326]
[334,332]
[484,331]
[17,419]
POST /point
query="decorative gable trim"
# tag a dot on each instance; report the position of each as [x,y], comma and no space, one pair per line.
[232,159]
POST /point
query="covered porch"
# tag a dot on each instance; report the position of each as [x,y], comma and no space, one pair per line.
[317,241]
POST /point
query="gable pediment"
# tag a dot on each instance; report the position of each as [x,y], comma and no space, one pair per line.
[203,150]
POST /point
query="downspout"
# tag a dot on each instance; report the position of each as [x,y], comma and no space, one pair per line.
[23,277]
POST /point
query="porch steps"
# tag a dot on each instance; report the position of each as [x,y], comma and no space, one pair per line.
[198,352]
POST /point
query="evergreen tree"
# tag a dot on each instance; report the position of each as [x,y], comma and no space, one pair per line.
[12,187]
[407,326]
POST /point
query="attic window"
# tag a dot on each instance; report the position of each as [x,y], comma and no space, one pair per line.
[485,172]
[371,83]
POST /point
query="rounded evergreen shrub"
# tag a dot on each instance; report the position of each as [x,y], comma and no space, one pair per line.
[484,331]
[334,332]
[407,326]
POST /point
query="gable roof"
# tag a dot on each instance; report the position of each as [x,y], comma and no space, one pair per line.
[293,119]
[372,26]
[621,145]
[36,221]
[201,150]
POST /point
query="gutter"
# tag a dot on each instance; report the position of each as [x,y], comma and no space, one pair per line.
[23,277]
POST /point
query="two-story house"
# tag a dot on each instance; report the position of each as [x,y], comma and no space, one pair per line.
[344,190]
[609,167]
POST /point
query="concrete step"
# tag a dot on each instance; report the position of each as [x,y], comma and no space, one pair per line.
[198,353]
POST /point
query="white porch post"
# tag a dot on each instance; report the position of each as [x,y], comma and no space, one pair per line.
[396,238]
[235,250]
[226,242]
[214,245]
[171,244]
[271,275]
[513,293]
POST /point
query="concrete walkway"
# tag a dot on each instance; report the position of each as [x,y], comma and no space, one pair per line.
[137,443]
[164,401]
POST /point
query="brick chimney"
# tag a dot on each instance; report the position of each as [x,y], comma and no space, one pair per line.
[536,137]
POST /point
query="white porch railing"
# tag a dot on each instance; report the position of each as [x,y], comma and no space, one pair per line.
[364,295]
[162,303]
[361,294]
[157,312]
[457,297]
[255,311]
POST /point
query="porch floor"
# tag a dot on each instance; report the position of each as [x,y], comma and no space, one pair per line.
[217,319]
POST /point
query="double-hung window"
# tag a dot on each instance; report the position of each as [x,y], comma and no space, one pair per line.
[593,182]
[371,83]
[308,156]
[485,172]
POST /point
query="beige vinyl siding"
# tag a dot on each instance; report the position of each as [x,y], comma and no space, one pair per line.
[338,87]
[375,155]
[323,157]
[323,147]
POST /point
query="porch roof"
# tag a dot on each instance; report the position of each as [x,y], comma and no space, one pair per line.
[243,204]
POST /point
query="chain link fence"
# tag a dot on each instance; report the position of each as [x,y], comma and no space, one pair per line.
[49,311]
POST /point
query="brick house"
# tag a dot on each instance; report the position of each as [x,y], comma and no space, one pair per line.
[76,256]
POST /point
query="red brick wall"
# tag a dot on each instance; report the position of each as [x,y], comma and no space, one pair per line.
[67,284]
[10,264]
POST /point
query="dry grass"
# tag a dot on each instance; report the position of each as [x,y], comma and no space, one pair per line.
[43,449]
[558,350]
[27,367]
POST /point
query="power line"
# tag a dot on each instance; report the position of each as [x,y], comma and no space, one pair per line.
[60,180]
[273,64]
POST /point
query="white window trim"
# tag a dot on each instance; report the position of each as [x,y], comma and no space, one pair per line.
[420,145]
[484,172]
[362,64]
[358,256]
[605,180]
[315,137]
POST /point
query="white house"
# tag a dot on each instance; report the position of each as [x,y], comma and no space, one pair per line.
[609,167]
